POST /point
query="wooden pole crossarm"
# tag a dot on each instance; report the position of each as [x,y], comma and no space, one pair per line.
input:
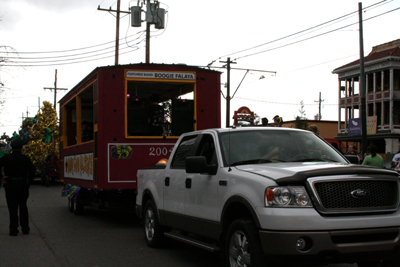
[112,10]
[51,88]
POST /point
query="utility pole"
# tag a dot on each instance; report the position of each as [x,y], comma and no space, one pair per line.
[117,33]
[118,11]
[55,91]
[147,43]
[228,84]
[362,86]
[319,106]
[154,15]
[23,118]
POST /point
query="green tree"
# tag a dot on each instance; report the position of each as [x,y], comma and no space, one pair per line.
[44,135]
[3,141]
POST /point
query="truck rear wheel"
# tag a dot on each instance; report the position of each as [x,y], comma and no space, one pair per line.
[243,246]
[152,229]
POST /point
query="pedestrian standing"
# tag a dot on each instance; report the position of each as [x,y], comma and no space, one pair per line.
[336,146]
[264,121]
[17,171]
[373,159]
[396,161]
[278,121]
[314,129]
[156,116]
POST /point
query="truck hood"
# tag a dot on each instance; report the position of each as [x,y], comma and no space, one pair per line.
[283,173]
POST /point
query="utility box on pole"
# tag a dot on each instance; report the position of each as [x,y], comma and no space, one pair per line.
[136,16]
[154,15]
[151,13]
[160,18]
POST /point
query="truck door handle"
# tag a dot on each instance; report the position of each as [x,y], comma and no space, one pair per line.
[188,183]
[166,181]
[223,183]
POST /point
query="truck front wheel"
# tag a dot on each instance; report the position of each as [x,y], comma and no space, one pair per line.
[152,229]
[243,246]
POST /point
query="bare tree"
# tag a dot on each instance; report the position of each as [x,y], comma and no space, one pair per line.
[3,61]
[301,121]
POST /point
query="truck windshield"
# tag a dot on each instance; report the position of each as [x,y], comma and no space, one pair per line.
[239,147]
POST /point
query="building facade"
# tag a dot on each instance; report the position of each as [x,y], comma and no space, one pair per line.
[382,76]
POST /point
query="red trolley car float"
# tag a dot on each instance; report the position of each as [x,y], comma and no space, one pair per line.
[125,117]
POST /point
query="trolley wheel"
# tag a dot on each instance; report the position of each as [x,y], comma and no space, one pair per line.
[78,207]
[71,205]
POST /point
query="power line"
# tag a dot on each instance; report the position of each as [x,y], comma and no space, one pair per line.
[88,47]
[322,63]
[75,62]
[64,51]
[61,60]
[66,56]
[318,35]
[283,103]
[94,51]
[27,96]
[290,35]
[18,63]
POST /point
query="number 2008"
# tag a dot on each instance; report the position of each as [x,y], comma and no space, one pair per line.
[159,151]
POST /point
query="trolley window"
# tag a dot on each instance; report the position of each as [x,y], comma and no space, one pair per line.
[159,108]
[78,117]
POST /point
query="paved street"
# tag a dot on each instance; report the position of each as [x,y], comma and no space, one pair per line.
[98,238]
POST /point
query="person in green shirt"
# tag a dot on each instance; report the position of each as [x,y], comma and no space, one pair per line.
[373,159]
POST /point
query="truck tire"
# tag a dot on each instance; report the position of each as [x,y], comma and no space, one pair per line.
[369,264]
[152,229]
[71,205]
[394,262]
[243,246]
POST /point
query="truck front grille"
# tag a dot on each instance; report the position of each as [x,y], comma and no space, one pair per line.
[357,195]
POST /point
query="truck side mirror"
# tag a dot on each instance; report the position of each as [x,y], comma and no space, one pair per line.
[198,164]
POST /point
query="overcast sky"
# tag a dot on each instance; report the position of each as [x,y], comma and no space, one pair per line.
[259,34]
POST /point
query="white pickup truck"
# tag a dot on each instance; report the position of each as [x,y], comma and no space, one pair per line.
[266,196]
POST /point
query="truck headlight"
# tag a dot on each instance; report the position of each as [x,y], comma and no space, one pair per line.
[287,196]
